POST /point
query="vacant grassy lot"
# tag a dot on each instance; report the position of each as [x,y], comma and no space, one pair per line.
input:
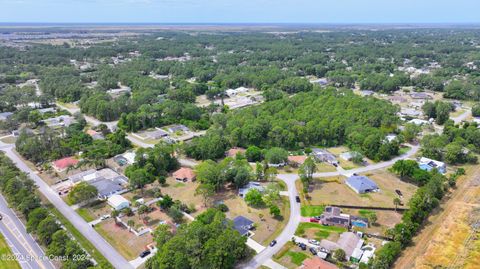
[5,251]
[312,210]
[94,211]
[318,231]
[325,167]
[184,192]
[125,242]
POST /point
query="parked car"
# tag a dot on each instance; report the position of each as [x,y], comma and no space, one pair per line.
[313,251]
[314,242]
[313,220]
[1,217]
[399,193]
[297,198]
[318,218]
[302,246]
[334,164]
[144,253]
[104,217]
[273,243]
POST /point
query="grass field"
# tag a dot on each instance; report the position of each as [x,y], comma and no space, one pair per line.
[282,224]
[297,257]
[85,214]
[312,210]
[319,231]
[291,256]
[5,251]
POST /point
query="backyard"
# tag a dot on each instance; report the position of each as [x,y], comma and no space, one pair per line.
[312,230]
[291,256]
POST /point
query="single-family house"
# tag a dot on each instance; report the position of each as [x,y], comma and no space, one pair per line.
[234,92]
[317,263]
[108,187]
[60,121]
[95,135]
[64,163]
[421,95]
[349,155]
[429,164]
[184,174]
[419,122]
[234,151]
[118,202]
[296,160]
[322,155]
[361,184]
[390,137]
[366,93]
[243,225]
[5,116]
[332,216]
[178,128]
[47,110]
[251,185]
[320,81]
[126,158]
[156,134]
[348,241]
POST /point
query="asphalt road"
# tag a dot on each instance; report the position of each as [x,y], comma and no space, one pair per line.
[117,260]
[287,232]
[24,248]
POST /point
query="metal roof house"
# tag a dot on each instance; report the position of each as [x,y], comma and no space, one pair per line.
[361,184]
[242,225]
[429,164]
[323,155]
[251,185]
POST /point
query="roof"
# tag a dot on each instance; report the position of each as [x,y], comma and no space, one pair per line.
[297,159]
[317,263]
[116,200]
[107,187]
[65,163]
[91,132]
[242,224]
[178,127]
[156,134]
[184,173]
[249,186]
[233,152]
[349,241]
[361,183]
[5,115]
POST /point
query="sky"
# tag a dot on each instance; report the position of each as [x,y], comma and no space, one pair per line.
[241,11]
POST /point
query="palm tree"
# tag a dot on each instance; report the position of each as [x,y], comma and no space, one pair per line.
[115,214]
[396,202]
[130,224]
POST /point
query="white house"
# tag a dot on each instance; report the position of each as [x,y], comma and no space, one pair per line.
[118,202]
[234,92]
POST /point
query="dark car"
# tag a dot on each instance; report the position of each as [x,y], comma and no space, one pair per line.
[313,251]
[144,253]
[302,246]
[334,164]
[273,243]
[399,193]
[297,198]
[1,217]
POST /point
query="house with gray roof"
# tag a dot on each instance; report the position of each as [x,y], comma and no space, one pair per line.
[323,155]
[251,185]
[361,184]
[242,225]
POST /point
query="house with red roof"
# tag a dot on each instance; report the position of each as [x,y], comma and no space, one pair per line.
[317,263]
[63,164]
[296,160]
[184,174]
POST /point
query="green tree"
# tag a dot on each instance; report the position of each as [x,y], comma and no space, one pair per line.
[276,155]
[253,154]
[206,191]
[339,255]
[82,192]
[254,198]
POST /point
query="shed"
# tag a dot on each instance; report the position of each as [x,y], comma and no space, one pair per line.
[118,202]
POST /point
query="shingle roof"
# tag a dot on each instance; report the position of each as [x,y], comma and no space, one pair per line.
[361,183]
[242,224]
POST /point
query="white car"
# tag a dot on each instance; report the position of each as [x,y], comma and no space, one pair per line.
[314,242]
[104,217]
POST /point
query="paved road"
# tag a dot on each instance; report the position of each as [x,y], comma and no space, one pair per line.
[295,217]
[117,260]
[458,119]
[287,233]
[26,250]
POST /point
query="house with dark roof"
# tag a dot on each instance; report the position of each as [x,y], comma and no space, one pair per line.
[108,187]
[361,184]
[322,155]
[332,216]
[242,225]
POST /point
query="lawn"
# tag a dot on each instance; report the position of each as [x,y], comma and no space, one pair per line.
[403,150]
[291,256]
[279,228]
[312,210]
[317,230]
[85,214]
[94,211]
[125,242]
[334,191]
[9,140]
[4,252]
